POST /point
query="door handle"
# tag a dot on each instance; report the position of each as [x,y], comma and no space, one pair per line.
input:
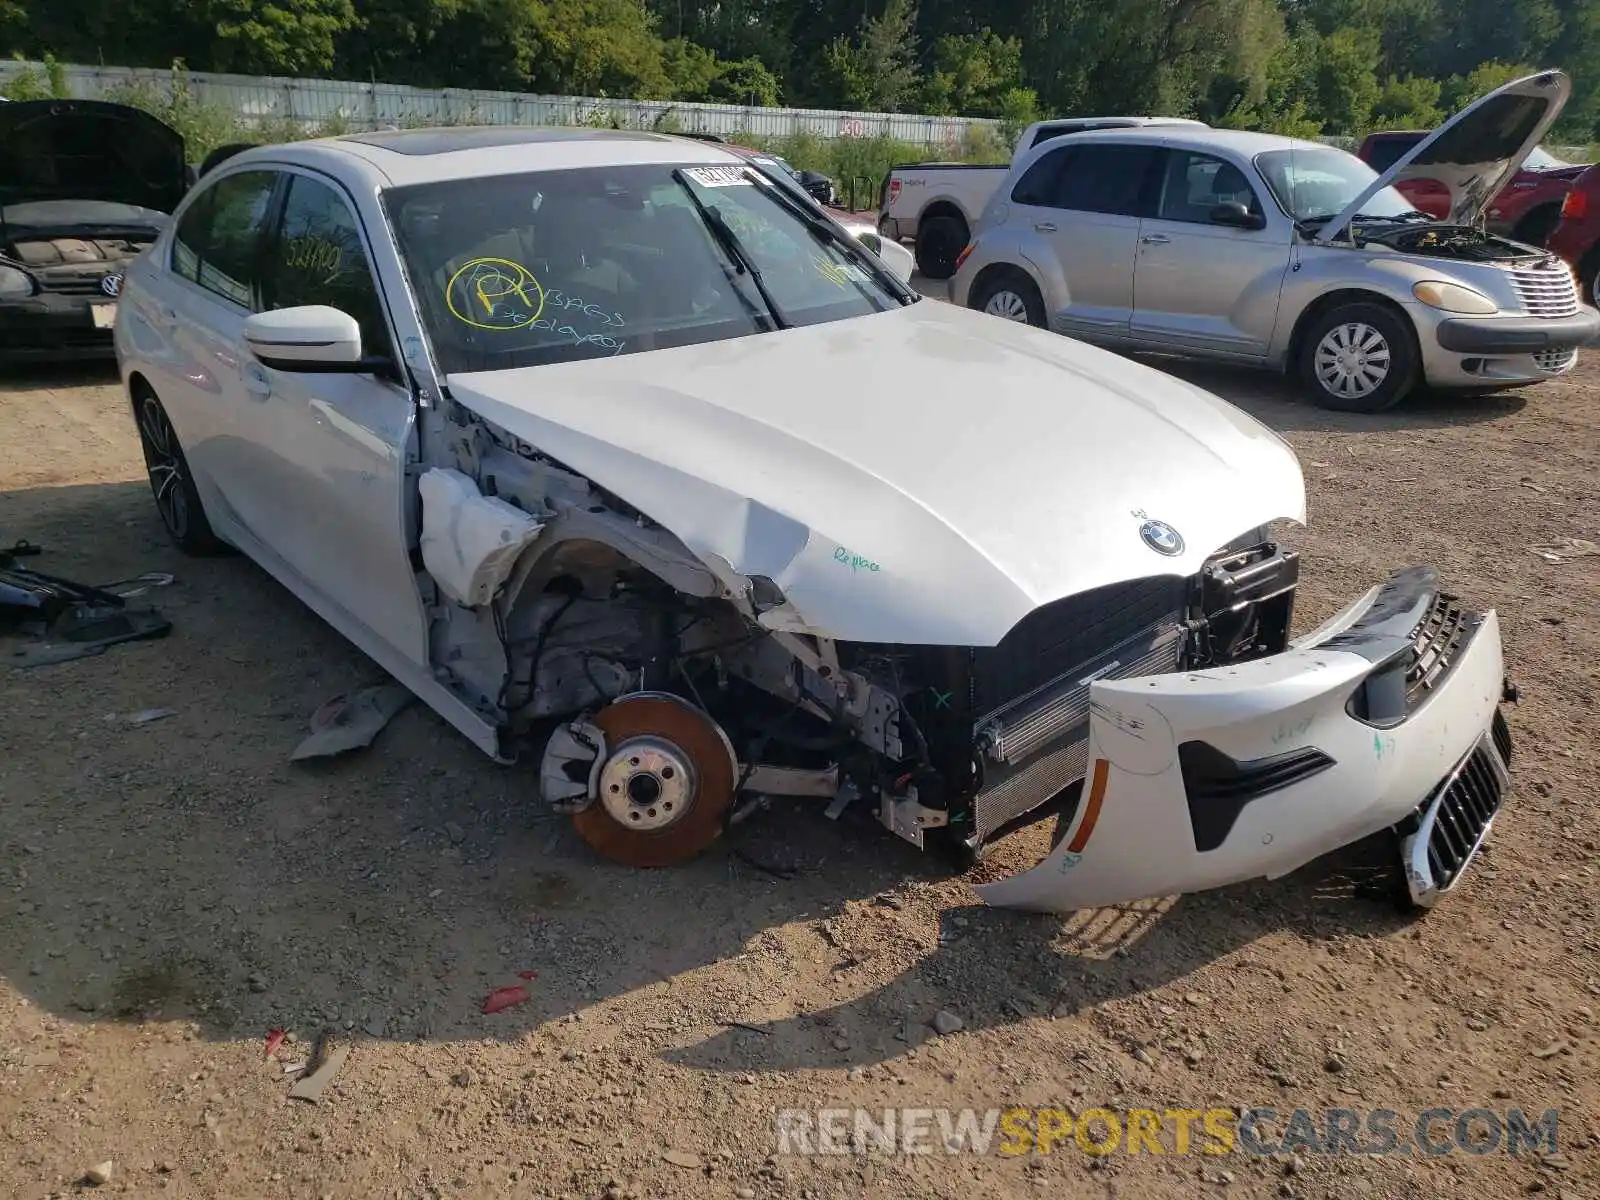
[1155,239]
[256,381]
[1045,227]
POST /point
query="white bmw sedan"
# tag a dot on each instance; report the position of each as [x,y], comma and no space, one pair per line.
[628,461]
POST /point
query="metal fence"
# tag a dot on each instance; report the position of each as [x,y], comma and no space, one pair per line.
[316,102]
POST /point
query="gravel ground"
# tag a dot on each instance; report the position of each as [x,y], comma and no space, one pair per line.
[171,891]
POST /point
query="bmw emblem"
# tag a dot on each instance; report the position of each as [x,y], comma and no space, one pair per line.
[1162,538]
[111,285]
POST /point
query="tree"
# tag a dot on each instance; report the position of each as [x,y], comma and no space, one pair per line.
[972,74]
[877,70]
[1410,103]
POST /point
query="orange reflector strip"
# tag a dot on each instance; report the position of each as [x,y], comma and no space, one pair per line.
[1091,812]
[965,251]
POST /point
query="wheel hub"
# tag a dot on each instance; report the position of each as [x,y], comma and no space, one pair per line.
[1352,359]
[647,784]
[1008,305]
[666,783]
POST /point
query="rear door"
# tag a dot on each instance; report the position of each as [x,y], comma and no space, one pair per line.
[1086,202]
[1201,285]
[212,287]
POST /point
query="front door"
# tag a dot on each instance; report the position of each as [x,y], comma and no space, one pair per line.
[338,443]
[1200,285]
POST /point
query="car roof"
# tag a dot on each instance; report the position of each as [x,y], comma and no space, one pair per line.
[1242,142]
[396,158]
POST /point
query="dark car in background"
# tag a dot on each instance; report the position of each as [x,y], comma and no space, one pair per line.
[1526,209]
[85,187]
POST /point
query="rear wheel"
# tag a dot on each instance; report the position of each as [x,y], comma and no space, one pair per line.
[1011,295]
[170,481]
[940,241]
[1359,357]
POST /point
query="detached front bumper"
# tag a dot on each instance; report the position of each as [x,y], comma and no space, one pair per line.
[1385,717]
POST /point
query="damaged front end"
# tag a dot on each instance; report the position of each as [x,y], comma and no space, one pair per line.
[1180,738]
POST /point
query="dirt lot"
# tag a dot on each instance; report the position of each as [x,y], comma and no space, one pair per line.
[171,891]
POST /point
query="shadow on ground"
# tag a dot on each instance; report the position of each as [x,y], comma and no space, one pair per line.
[184,868]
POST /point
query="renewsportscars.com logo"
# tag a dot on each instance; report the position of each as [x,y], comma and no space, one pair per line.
[1261,1132]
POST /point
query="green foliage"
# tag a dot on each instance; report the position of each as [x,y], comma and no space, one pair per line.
[204,126]
[1330,67]
[34,84]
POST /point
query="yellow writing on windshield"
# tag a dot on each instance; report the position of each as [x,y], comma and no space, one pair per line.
[495,294]
[831,271]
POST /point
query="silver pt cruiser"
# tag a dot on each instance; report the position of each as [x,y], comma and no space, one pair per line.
[1287,254]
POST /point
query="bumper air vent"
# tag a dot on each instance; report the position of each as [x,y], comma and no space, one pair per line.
[1219,787]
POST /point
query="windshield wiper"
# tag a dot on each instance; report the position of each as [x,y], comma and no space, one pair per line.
[824,230]
[732,246]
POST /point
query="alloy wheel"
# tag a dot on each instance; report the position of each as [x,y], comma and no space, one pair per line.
[1352,360]
[165,465]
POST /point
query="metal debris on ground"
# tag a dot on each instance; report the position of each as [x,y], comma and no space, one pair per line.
[351,720]
[325,1062]
[65,620]
[1567,550]
[146,715]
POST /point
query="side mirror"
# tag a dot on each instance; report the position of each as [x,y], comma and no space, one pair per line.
[1237,216]
[313,337]
[900,265]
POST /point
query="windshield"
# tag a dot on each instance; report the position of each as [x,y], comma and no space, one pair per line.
[1540,159]
[1316,183]
[522,270]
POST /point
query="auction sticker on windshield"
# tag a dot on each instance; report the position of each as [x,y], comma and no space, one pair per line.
[718,176]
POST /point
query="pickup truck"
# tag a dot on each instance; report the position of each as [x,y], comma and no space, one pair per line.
[936,205]
[1526,209]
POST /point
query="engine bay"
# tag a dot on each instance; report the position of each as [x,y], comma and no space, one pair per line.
[1460,242]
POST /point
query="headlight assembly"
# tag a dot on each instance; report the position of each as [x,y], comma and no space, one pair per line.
[15,283]
[1452,297]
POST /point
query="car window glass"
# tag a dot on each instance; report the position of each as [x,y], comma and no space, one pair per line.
[552,266]
[319,258]
[1108,179]
[218,240]
[1196,183]
[1040,183]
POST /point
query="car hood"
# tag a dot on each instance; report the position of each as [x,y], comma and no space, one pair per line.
[927,475]
[1476,152]
[89,150]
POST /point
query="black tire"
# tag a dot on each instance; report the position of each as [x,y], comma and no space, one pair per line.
[170,481]
[1537,226]
[1589,278]
[993,290]
[940,241]
[1395,350]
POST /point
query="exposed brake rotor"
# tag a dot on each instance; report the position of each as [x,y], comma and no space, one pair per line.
[666,783]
